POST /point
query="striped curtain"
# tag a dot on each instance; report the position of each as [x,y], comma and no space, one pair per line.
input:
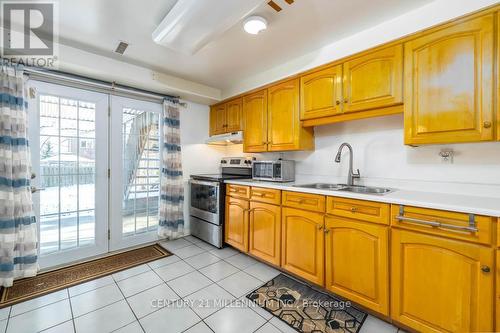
[171,223]
[18,231]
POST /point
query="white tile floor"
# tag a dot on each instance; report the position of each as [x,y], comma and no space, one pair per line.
[197,290]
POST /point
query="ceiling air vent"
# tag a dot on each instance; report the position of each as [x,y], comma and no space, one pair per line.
[121,47]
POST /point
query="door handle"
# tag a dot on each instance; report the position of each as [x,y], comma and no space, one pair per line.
[34,189]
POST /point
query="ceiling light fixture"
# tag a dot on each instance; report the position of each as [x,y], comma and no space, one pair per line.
[255,24]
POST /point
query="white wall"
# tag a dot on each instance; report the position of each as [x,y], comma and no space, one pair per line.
[197,157]
[384,160]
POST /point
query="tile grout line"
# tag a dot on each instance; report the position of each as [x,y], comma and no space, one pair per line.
[8,319]
[71,309]
[130,308]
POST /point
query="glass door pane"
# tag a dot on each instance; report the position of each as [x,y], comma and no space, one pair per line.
[136,171]
[69,173]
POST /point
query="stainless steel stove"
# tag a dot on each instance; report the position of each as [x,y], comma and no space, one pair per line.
[208,195]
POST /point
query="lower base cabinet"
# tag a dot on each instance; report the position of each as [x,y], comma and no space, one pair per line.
[497,321]
[441,285]
[265,232]
[357,262]
[303,244]
[236,223]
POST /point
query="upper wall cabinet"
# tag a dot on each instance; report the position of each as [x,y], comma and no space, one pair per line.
[255,122]
[367,82]
[271,120]
[449,84]
[321,93]
[374,80]
[217,119]
[225,118]
[233,115]
[284,131]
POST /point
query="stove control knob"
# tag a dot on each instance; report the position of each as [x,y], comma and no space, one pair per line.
[223,161]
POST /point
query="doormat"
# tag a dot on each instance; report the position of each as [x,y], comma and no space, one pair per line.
[306,309]
[45,283]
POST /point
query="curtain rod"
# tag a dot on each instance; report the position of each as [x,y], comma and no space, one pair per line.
[53,75]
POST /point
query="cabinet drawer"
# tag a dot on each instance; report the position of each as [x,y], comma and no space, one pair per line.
[369,211]
[469,227]
[238,191]
[306,201]
[266,195]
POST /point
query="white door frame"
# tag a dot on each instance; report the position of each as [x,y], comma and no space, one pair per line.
[101,183]
[117,240]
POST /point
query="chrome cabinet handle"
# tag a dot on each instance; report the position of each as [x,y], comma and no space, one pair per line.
[472,228]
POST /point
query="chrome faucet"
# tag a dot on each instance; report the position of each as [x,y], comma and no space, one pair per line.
[351,175]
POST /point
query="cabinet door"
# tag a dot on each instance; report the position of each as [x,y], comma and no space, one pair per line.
[255,122]
[448,85]
[236,224]
[374,80]
[265,232]
[441,285]
[219,119]
[233,115]
[321,93]
[284,131]
[357,262]
[497,322]
[302,250]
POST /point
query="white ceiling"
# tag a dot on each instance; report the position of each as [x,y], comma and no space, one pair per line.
[97,26]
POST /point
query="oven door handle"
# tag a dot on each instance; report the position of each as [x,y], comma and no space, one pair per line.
[202,182]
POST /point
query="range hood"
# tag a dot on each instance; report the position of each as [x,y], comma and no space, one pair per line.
[225,139]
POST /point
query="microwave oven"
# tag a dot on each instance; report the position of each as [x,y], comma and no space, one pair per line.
[276,171]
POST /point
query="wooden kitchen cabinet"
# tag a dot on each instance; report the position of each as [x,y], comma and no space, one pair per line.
[373,80]
[265,232]
[255,122]
[233,115]
[302,248]
[218,119]
[449,89]
[497,322]
[225,118]
[236,223]
[284,131]
[440,284]
[357,262]
[321,93]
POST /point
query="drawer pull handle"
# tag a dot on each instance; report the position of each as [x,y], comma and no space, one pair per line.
[485,269]
[437,224]
[470,228]
[299,201]
[320,227]
[259,194]
[354,209]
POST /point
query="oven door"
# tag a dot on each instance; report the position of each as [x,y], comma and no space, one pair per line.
[205,200]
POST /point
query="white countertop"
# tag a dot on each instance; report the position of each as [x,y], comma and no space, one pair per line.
[445,201]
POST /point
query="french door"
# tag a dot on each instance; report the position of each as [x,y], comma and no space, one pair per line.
[135,171]
[69,148]
[96,168]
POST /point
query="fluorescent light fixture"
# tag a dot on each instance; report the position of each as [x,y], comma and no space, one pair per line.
[255,24]
[192,24]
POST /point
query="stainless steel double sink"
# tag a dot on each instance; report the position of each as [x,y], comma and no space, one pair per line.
[347,188]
